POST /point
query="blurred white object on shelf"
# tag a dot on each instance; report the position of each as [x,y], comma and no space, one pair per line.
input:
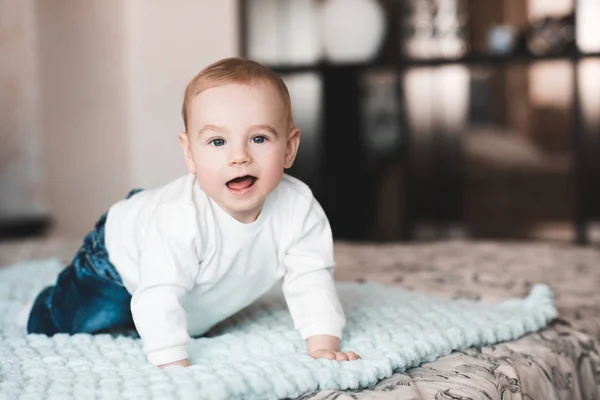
[353,30]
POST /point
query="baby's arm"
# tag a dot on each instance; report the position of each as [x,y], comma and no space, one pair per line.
[309,287]
[317,313]
[168,267]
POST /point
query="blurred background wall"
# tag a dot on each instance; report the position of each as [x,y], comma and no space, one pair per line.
[421,119]
[20,135]
[91,95]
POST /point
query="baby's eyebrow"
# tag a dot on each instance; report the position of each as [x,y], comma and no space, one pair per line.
[215,128]
[265,127]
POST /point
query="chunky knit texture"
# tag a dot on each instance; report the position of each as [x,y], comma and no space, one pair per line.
[256,354]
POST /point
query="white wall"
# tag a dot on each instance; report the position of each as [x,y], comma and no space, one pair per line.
[21,166]
[83,108]
[112,76]
[168,47]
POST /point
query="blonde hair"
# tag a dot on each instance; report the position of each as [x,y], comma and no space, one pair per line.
[235,70]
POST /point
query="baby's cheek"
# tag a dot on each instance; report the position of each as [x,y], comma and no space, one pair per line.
[209,176]
[272,174]
[210,164]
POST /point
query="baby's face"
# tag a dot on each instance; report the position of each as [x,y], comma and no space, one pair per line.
[238,144]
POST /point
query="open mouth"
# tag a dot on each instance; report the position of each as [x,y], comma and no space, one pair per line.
[241,183]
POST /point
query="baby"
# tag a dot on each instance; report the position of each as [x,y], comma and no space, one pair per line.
[176,260]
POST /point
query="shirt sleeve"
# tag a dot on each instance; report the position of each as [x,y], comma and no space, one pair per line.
[308,284]
[168,267]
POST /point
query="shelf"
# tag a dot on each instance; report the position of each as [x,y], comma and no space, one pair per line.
[342,94]
[405,63]
[492,60]
[23,226]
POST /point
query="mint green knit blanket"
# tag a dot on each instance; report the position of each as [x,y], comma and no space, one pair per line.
[256,354]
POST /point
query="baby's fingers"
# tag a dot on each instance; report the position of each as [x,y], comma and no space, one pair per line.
[335,355]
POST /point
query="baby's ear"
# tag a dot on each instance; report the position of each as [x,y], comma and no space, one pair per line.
[292,147]
[184,141]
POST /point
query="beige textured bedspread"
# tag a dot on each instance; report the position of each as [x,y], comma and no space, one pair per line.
[560,362]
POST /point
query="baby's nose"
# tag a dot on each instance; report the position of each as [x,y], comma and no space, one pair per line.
[240,156]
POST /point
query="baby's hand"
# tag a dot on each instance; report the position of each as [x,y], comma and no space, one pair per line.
[182,363]
[334,355]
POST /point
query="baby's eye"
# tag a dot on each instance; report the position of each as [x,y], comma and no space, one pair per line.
[258,139]
[217,142]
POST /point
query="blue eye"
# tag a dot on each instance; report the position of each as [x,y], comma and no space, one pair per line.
[217,142]
[258,139]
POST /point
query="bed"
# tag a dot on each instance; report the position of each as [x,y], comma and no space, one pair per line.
[560,362]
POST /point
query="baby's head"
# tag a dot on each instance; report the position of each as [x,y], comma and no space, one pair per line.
[239,134]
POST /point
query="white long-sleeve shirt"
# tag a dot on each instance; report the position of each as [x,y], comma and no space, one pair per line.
[189,265]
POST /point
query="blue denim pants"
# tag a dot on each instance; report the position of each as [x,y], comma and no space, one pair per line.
[88,296]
